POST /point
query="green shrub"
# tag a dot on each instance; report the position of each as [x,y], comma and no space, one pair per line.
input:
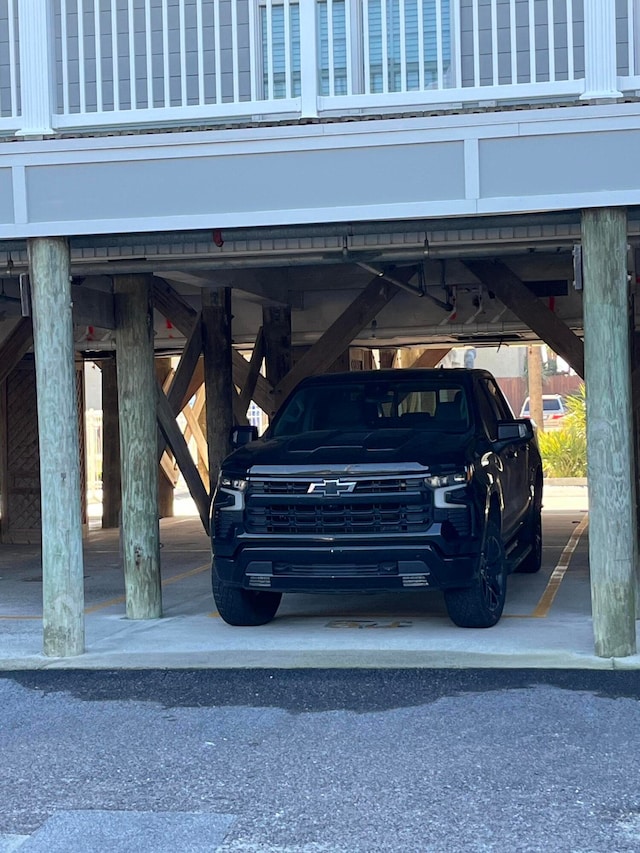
[564,451]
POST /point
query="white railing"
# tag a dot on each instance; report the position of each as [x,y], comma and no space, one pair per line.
[86,64]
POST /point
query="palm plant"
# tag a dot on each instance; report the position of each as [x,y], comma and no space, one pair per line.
[564,452]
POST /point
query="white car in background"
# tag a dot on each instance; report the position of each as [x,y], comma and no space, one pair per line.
[553,411]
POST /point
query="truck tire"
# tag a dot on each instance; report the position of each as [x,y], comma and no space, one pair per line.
[244,607]
[481,605]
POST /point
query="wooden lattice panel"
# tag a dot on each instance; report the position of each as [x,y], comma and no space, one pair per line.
[22,489]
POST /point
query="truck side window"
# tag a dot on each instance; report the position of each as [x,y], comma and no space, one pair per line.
[501,407]
[488,413]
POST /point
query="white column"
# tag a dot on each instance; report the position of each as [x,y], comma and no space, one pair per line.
[36,67]
[62,561]
[309,59]
[610,459]
[601,74]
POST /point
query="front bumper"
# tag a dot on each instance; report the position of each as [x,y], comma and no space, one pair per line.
[346,568]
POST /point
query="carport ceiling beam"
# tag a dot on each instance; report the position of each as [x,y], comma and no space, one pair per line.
[513,292]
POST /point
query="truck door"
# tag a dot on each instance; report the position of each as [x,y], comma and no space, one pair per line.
[513,459]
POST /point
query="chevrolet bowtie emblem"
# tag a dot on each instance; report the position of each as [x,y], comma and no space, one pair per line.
[331,488]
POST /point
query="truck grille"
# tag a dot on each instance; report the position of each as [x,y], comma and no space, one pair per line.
[374,506]
[301,487]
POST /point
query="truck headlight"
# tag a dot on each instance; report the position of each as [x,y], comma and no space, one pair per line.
[235,483]
[457,478]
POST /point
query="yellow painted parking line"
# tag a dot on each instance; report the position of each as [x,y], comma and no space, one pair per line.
[188,574]
[121,599]
[174,579]
[18,618]
[546,600]
[103,605]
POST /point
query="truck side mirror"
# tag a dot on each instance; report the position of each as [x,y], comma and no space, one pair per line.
[243,434]
[515,430]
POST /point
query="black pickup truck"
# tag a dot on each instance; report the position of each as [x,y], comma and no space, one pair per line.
[379,481]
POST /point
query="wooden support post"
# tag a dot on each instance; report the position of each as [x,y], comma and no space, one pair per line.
[610,467]
[276,328]
[430,357]
[138,446]
[218,379]
[111,497]
[165,486]
[62,562]
[340,334]
[178,445]
[534,376]
[514,293]
[183,317]
[251,380]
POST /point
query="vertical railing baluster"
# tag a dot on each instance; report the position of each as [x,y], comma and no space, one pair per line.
[97,50]
[385,46]
[183,54]
[254,69]
[366,41]
[476,45]
[200,49]
[403,48]
[420,11]
[349,58]
[234,51]
[269,36]
[330,49]
[456,41]
[439,45]
[217,46]
[81,57]
[115,70]
[165,55]
[149,57]
[533,64]
[513,42]
[133,94]
[571,71]
[309,59]
[495,75]
[288,81]
[631,40]
[64,56]
[551,24]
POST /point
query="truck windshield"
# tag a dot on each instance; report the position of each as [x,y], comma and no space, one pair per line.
[381,405]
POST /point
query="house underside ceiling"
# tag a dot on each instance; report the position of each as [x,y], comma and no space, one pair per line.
[318,271]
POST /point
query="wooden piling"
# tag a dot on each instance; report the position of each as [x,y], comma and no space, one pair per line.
[218,378]
[610,463]
[138,446]
[62,561]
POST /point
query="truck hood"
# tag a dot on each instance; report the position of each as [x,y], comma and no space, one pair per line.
[341,449]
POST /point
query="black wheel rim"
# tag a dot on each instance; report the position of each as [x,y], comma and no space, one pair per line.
[492,574]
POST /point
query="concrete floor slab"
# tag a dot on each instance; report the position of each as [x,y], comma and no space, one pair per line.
[544,625]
